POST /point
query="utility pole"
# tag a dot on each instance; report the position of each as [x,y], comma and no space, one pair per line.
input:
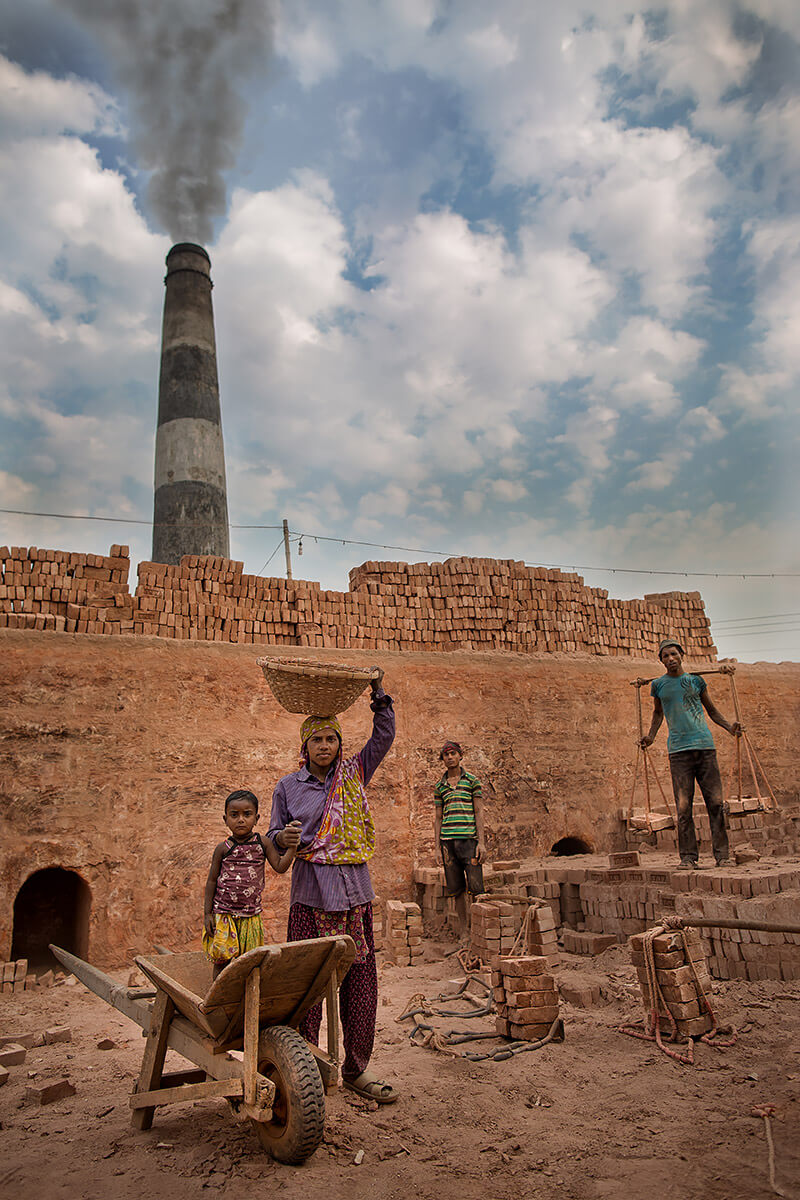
[287,551]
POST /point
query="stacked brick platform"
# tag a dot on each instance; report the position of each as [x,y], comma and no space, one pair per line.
[525,997]
[676,979]
[618,903]
[463,603]
[402,940]
[482,603]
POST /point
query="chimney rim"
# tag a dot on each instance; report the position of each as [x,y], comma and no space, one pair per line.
[184,247]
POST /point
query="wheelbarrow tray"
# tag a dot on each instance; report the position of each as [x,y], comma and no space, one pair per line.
[294,977]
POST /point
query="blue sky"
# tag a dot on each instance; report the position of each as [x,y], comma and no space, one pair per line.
[514,281]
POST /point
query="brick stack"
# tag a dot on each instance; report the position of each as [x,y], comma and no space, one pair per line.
[430,889]
[676,979]
[494,926]
[402,942]
[57,590]
[582,942]
[14,977]
[377,923]
[542,938]
[525,996]
[463,603]
[477,603]
[571,908]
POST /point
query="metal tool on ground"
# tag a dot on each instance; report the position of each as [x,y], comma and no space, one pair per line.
[254,1005]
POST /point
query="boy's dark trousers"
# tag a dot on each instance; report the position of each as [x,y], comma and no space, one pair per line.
[686,768]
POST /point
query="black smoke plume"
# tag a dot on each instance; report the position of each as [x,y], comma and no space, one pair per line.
[182,64]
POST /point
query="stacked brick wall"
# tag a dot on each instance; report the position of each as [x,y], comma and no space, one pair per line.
[484,603]
[466,604]
[56,589]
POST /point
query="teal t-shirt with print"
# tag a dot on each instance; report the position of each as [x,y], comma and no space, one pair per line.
[683,709]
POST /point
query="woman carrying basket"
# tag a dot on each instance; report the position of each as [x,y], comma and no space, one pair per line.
[331,891]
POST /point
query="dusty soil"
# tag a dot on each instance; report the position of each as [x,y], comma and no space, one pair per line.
[600,1115]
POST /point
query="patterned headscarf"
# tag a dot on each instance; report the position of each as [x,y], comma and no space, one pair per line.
[313,725]
[346,833]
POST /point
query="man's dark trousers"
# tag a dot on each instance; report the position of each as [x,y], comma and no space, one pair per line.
[686,768]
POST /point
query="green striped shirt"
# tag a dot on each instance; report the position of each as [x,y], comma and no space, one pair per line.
[458,805]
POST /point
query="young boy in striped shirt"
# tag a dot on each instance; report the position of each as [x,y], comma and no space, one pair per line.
[458,829]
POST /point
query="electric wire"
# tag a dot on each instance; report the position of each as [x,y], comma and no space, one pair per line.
[347,541]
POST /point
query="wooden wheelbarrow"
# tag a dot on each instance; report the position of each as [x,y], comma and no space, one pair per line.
[254,1005]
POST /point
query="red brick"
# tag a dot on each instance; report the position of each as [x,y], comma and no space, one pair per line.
[47,1093]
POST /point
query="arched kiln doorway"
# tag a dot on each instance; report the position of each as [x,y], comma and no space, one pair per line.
[570,845]
[51,906]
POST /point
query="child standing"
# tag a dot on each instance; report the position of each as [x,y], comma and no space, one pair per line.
[235,884]
[458,829]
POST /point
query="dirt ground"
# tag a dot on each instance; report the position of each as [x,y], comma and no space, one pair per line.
[601,1115]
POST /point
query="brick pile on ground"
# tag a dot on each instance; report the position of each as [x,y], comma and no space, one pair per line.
[681,985]
[525,997]
[402,940]
[482,603]
[463,603]
[430,890]
[496,925]
[16,977]
[609,905]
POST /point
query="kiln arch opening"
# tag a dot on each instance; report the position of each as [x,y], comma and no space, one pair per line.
[570,845]
[52,905]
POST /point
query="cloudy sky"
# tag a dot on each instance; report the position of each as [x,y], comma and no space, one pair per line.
[515,280]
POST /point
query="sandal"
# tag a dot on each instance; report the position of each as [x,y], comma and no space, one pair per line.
[370,1088]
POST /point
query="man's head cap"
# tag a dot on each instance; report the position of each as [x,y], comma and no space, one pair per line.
[670,642]
[451,746]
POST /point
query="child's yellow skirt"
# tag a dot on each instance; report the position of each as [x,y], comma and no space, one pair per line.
[232,936]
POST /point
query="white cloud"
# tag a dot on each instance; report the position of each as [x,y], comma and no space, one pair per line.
[34,103]
[657,475]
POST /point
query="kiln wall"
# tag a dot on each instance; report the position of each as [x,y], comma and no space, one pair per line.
[117,754]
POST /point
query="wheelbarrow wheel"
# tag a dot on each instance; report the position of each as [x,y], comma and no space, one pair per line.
[295,1128]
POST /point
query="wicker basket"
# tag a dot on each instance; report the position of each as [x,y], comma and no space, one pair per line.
[316,689]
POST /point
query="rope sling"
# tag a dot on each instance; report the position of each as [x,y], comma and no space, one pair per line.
[424,1034]
[651,1032]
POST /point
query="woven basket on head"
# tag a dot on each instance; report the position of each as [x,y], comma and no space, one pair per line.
[316,689]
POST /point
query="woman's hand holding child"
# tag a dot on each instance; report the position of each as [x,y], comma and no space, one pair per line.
[290,835]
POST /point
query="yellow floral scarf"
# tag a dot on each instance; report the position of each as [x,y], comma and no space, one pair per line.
[347,832]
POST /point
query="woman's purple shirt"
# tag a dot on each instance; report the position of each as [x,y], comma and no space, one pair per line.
[301,797]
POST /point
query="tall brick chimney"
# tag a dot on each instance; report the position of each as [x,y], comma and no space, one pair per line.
[190,511]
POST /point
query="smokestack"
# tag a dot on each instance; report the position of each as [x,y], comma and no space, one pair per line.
[191,506]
